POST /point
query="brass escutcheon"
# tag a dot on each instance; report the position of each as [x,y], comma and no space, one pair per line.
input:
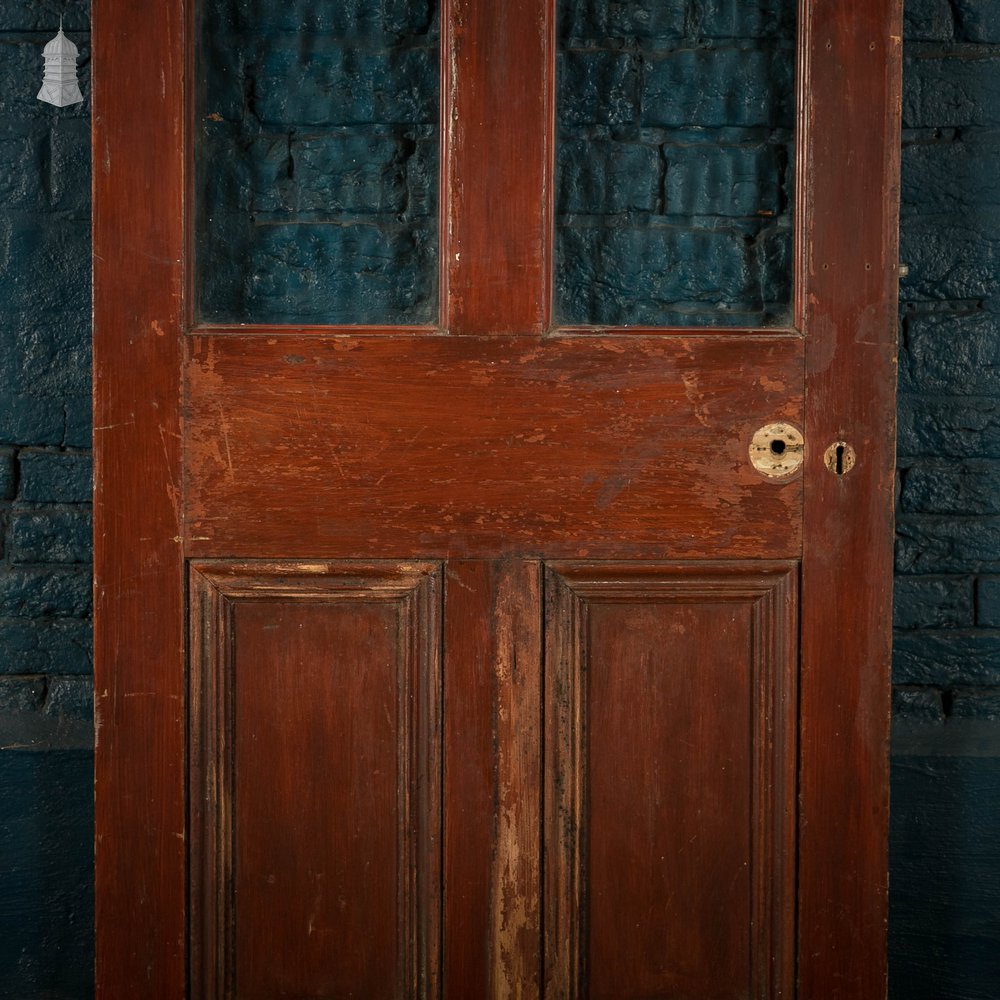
[776,450]
[839,458]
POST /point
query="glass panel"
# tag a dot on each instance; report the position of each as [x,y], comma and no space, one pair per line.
[317,160]
[674,162]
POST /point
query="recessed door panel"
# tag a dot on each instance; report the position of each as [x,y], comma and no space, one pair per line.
[670,780]
[315,758]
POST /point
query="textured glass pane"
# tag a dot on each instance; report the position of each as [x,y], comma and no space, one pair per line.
[317,153]
[674,162]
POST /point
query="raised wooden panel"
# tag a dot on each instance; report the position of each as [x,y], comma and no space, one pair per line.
[315,761]
[574,446]
[670,707]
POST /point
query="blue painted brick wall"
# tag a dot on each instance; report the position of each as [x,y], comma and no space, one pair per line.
[317,183]
[46,762]
[946,764]
[673,162]
[945,878]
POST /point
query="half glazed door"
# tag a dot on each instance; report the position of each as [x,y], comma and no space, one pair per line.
[494,431]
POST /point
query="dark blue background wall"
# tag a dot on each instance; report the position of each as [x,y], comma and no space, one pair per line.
[46,812]
[946,764]
[945,877]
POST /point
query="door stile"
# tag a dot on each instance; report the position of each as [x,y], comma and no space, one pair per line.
[496,130]
[851,114]
[140,882]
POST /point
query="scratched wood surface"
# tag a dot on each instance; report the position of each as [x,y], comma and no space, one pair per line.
[669,781]
[849,267]
[440,445]
[140,878]
[493,736]
[498,90]
[489,449]
[316,822]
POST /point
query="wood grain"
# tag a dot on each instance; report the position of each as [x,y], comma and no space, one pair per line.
[496,185]
[315,775]
[850,107]
[497,446]
[493,677]
[670,706]
[139,704]
[430,446]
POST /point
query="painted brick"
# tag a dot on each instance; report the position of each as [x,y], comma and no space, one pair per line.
[47,713]
[921,704]
[48,351]
[28,419]
[30,592]
[369,20]
[742,18]
[920,602]
[976,704]
[941,91]
[950,486]
[67,186]
[650,19]
[8,474]
[977,20]
[625,275]
[303,271]
[936,425]
[946,658]
[78,420]
[45,165]
[21,167]
[952,175]
[772,250]
[54,476]
[601,19]
[323,86]
[604,178]
[47,536]
[70,698]
[348,87]
[726,180]
[53,246]
[951,353]
[21,694]
[713,87]
[988,601]
[927,544]
[598,87]
[928,20]
[950,257]
[43,16]
[356,173]
[45,646]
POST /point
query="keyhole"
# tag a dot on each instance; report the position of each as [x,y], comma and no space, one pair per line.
[839,458]
[778,446]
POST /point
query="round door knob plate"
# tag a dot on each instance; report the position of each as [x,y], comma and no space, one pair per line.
[776,450]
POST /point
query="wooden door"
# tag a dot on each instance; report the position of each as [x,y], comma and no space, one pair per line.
[477,657]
